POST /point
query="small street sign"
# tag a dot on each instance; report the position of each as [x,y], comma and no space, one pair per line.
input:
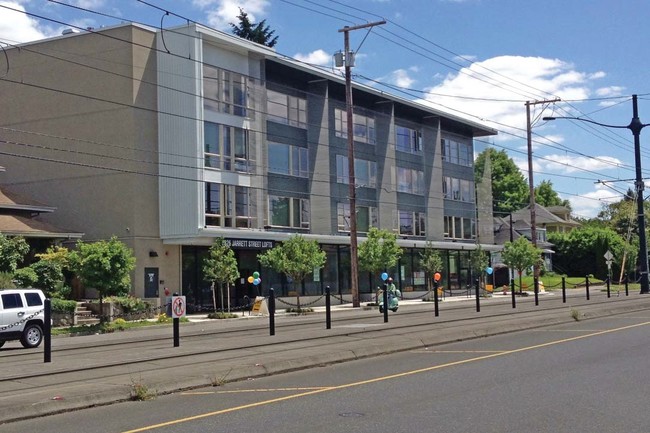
[178,307]
[608,256]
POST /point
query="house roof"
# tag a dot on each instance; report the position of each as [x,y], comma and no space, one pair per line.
[18,225]
[12,201]
[544,215]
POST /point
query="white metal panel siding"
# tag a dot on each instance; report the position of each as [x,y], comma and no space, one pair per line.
[180,134]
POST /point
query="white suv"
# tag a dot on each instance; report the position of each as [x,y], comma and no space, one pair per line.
[21,316]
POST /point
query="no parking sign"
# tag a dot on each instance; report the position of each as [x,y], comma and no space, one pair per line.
[178,307]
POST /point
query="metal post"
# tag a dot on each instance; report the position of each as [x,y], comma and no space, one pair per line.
[385,296]
[176,326]
[271,311]
[608,292]
[328,309]
[627,288]
[47,331]
[587,286]
[563,290]
[536,287]
[435,298]
[512,292]
[478,301]
[635,126]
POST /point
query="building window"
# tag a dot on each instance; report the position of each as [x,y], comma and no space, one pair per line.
[227,206]
[366,217]
[410,180]
[408,140]
[226,147]
[457,153]
[363,126]
[412,223]
[458,189]
[287,109]
[289,160]
[224,91]
[365,172]
[289,212]
[459,228]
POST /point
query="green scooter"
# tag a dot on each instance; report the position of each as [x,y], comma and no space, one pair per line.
[393,300]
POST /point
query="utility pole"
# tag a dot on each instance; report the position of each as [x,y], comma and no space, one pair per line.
[349,62]
[531,185]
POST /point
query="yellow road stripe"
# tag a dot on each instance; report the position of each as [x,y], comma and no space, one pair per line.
[242,391]
[378,379]
[458,351]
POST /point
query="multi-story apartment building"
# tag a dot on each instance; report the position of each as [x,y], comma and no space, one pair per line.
[171,139]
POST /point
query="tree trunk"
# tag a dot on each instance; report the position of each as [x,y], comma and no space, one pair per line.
[214,300]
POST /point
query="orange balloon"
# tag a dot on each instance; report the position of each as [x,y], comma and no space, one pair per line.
[250,279]
[436,276]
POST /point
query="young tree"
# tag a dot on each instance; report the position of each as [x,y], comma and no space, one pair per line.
[12,252]
[521,255]
[431,262]
[259,33]
[296,258]
[105,266]
[479,260]
[379,252]
[220,266]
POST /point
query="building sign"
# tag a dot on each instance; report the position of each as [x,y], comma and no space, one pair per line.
[249,244]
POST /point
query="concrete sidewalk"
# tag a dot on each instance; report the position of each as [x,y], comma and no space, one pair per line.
[103,369]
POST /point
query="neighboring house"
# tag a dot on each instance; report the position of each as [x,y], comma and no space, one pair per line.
[168,143]
[21,216]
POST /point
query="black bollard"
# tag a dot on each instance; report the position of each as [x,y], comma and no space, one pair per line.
[435,298]
[563,290]
[536,288]
[478,301]
[385,295]
[608,291]
[176,323]
[47,331]
[271,311]
[587,286]
[627,289]
[328,309]
[512,293]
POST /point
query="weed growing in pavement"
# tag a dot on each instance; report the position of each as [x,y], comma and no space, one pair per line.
[303,310]
[140,391]
[222,315]
[219,381]
[575,314]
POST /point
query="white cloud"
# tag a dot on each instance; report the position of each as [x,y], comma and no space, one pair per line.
[17,27]
[611,91]
[587,205]
[318,57]
[499,86]
[401,78]
[220,13]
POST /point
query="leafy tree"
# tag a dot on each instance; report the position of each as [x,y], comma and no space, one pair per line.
[259,33]
[296,258]
[431,262]
[12,252]
[379,252]
[49,276]
[479,260]
[58,255]
[581,251]
[105,266]
[545,195]
[220,266]
[521,254]
[509,187]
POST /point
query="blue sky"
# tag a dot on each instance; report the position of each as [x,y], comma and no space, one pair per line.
[480,59]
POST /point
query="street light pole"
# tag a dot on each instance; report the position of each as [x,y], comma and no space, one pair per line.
[348,56]
[635,126]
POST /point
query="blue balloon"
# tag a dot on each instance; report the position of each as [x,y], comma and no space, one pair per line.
[256,281]
[384,276]
[489,270]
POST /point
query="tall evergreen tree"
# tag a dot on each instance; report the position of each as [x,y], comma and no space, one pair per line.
[259,33]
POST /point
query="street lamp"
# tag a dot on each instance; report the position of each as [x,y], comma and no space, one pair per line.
[635,126]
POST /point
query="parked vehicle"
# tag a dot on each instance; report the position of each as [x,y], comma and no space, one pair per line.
[393,300]
[21,316]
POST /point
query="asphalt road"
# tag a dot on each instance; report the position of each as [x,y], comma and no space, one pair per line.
[585,376]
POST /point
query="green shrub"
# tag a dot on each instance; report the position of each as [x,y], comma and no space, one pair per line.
[25,277]
[222,315]
[128,304]
[63,305]
[49,275]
